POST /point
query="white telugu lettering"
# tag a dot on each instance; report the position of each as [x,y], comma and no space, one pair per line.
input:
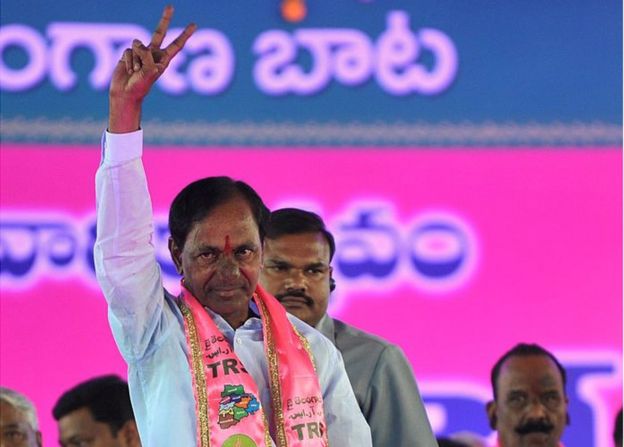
[210,68]
[276,50]
[397,51]
[302,63]
[349,57]
[106,42]
[209,72]
[29,41]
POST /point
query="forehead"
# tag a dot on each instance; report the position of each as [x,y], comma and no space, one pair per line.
[232,218]
[11,415]
[80,419]
[529,372]
[306,247]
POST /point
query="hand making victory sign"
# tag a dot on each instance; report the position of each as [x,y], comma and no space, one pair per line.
[136,72]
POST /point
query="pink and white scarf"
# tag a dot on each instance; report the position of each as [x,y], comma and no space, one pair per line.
[227,403]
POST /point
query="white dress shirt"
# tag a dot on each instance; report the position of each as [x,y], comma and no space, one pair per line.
[149,329]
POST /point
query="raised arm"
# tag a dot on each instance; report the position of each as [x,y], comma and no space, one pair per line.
[125,260]
[136,72]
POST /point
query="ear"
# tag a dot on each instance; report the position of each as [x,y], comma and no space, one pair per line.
[129,434]
[176,255]
[490,409]
[567,402]
[332,281]
[38,439]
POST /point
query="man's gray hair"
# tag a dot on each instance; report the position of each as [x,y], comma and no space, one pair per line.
[22,404]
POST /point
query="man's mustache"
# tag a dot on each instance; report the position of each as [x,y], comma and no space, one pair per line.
[535,427]
[295,293]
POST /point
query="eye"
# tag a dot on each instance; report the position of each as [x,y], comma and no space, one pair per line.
[79,443]
[516,399]
[207,256]
[551,399]
[244,253]
[314,271]
[13,435]
[278,268]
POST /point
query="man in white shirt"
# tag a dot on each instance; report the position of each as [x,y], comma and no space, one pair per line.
[216,243]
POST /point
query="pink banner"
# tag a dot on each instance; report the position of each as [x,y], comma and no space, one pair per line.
[454,254]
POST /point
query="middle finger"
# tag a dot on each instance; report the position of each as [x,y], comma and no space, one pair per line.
[161,29]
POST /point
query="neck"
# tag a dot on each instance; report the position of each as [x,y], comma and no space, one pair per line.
[238,319]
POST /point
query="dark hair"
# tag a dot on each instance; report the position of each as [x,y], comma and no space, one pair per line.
[448,442]
[617,428]
[524,350]
[296,221]
[199,198]
[106,397]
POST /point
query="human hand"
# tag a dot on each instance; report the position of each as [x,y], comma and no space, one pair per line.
[136,72]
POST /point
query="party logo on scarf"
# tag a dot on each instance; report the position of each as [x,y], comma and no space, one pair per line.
[235,405]
[239,441]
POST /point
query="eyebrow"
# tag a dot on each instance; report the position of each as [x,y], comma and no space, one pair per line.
[316,264]
[247,244]
[280,262]
[549,381]
[71,438]
[517,391]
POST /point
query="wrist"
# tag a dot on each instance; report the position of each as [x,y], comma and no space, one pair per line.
[124,115]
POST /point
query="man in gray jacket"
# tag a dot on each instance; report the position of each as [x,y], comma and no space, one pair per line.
[298,251]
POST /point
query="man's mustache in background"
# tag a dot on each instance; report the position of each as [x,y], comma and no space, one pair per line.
[535,427]
[309,301]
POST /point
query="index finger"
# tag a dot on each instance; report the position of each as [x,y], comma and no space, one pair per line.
[163,26]
[174,47]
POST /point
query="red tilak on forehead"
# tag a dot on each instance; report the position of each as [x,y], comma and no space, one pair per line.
[227,248]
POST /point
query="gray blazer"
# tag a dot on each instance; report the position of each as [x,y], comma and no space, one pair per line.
[384,386]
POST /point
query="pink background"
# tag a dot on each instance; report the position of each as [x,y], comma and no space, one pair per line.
[547,224]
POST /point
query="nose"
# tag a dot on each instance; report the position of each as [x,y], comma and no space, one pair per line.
[537,410]
[296,281]
[228,267]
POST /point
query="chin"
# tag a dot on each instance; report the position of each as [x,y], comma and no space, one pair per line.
[291,310]
[539,440]
[227,307]
[295,310]
[223,301]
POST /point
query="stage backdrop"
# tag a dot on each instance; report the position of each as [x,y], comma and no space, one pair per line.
[467,156]
[454,255]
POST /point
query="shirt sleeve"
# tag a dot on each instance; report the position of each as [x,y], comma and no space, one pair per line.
[125,259]
[396,413]
[346,425]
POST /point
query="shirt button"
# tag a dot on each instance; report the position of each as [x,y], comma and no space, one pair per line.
[239,341]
